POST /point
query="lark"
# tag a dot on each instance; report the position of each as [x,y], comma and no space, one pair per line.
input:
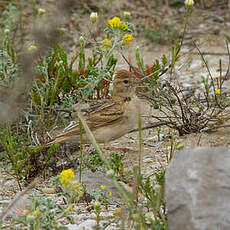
[108,119]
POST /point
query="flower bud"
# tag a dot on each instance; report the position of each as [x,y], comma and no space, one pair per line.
[106,43]
[97,205]
[126,15]
[30,218]
[180,147]
[157,188]
[60,62]
[110,173]
[6,31]
[189,2]
[81,40]
[36,213]
[135,167]
[136,217]
[62,30]
[41,11]
[93,17]
[32,48]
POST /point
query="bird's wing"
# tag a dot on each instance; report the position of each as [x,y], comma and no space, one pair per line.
[108,113]
[100,115]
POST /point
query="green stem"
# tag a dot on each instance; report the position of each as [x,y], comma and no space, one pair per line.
[177,49]
[185,28]
[81,151]
[98,149]
[140,142]
[107,56]
[11,155]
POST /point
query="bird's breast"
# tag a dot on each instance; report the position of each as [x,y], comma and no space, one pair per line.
[132,112]
[127,123]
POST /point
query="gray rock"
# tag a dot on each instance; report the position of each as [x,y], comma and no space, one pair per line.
[198,189]
[93,180]
[86,225]
[111,227]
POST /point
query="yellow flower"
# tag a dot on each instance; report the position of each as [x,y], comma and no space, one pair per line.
[110,194]
[41,11]
[117,211]
[27,213]
[217,91]
[66,176]
[127,39]
[69,209]
[103,187]
[115,22]
[189,2]
[123,26]
[106,43]
[32,47]
[36,213]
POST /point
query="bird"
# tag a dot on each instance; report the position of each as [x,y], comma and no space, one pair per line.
[107,119]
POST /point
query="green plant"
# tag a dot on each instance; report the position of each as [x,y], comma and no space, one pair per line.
[93,161]
[168,33]
[185,112]
[116,163]
[13,153]
[192,112]
[22,160]
[153,191]
[97,210]
[8,23]
[8,69]
[8,62]
[43,213]
[58,84]
[72,190]
[62,81]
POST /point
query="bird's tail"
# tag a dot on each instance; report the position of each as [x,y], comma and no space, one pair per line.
[70,134]
[58,139]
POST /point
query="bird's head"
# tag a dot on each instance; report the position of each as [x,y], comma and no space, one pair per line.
[124,84]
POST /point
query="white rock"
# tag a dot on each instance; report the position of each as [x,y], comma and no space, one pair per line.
[111,227]
[86,225]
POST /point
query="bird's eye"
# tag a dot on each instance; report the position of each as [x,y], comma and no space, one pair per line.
[126,81]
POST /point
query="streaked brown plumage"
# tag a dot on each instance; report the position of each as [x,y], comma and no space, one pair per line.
[109,119]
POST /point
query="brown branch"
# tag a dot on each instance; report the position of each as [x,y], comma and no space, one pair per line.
[131,66]
[152,125]
[205,53]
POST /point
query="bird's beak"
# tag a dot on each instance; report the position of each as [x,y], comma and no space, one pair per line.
[137,81]
[144,78]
